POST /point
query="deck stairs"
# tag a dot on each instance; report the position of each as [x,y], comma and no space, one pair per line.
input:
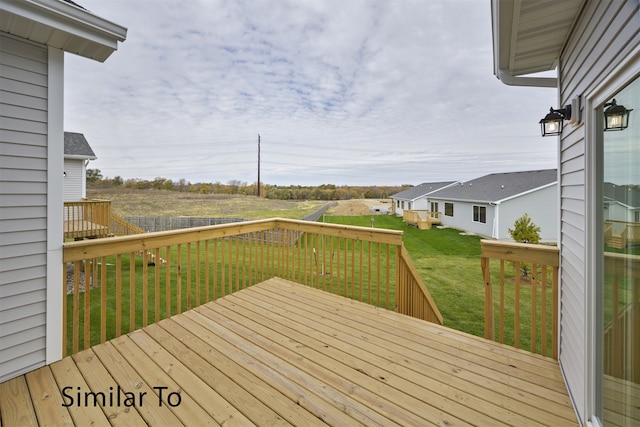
[122,227]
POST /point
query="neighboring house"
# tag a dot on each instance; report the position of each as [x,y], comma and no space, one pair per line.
[77,154]
[34,35]
[594,46]
[416,198]
[490,205]
[621,202]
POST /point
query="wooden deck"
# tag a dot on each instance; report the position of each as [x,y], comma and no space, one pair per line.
[279,353]
[80,229]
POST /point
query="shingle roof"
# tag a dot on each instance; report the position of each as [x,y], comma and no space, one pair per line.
[628,195]
[75,144]
[421,190]
[498,186]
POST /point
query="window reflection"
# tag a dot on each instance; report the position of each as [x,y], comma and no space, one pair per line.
[620,301]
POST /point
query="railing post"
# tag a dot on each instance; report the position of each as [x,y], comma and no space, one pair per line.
[488,300]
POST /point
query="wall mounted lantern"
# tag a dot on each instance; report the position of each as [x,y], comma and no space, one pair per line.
[616,117]
[554,121]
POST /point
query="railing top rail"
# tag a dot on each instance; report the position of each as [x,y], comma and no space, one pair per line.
[87,201]
[75,251]
[525,252]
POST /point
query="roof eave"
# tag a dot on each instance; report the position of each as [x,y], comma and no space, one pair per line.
[524,193]
[79,157]
[61,25]
[506,20]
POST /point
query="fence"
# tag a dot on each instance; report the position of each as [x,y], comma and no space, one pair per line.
[154,224]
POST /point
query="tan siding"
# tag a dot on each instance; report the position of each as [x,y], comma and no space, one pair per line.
[23,201]
[603,36]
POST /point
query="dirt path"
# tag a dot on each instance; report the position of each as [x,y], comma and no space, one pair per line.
[358,206]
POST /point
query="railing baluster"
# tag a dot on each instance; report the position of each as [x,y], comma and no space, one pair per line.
[88,273]
[76,304]
[145,287]
[502,301]
[132,291]
[516,304]
[179,279]
[388,277]
[543,309]
[167,282]
[188,247]
[379,283]
[156,275]
[103,300]
[197,273]
[534,306]
[369,272]
[118,295]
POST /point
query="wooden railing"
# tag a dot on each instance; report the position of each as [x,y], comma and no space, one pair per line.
[140,279]
[122,227]
[619,234]
[413,298]
[421,218]
[621,316]
[526,295]
[86,219]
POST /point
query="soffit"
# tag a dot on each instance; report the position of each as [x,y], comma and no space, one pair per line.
[528,35]
[61,25]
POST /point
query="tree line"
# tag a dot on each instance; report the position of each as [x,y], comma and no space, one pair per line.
[96,180]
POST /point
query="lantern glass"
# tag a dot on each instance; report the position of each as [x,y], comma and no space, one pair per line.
[617,121]
[552,127]
[552,124]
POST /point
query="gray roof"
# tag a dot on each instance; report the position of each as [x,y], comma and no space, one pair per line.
[628,195]
[418,191]
[75,144]
[498,186]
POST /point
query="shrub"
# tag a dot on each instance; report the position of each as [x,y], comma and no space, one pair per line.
[525,231]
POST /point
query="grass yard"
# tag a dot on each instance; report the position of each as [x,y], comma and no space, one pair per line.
[448,262]
[162,203]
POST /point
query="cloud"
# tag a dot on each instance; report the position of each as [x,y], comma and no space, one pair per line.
[358,92]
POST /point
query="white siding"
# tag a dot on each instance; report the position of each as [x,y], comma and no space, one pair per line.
[462,218]
[542,208]
[605,33]
[23,205]
[73,177]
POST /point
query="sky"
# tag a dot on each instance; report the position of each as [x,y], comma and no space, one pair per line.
[369,92]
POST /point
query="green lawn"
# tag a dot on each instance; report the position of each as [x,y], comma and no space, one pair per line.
[449,264]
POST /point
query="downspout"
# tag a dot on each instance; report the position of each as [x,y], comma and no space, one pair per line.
[496,220]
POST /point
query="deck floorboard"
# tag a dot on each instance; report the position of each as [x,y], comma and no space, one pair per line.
[279,353]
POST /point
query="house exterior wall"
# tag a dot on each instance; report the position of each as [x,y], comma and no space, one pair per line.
[402,204]
[618,212]
[462,218]
[23,205]
[605,35]
[540,205]
[74,180]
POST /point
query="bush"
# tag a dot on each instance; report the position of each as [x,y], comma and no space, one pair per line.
[525,231]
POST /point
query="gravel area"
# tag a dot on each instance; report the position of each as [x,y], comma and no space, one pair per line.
[70,279]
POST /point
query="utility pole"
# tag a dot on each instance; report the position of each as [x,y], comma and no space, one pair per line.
[258,165]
